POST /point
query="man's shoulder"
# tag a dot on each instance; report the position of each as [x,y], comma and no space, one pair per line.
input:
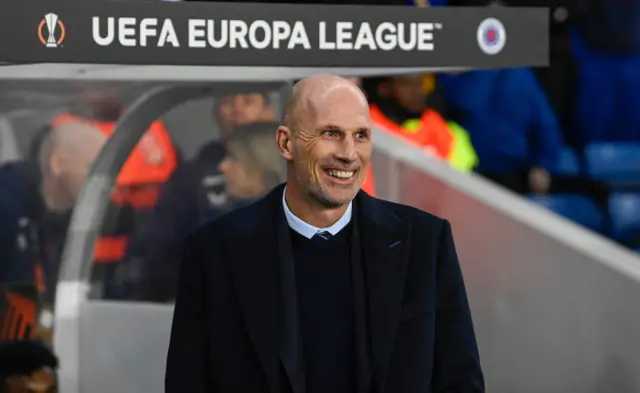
[415,217]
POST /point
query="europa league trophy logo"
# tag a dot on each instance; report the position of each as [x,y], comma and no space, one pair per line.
[52,22]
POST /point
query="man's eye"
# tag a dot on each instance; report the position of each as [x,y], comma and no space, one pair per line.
[331,133]
[362,135]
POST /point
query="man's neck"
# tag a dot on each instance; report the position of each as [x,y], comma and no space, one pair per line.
[312,212]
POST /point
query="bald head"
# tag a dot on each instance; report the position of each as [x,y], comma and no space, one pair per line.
[310,93]
[78,141]
[66,156]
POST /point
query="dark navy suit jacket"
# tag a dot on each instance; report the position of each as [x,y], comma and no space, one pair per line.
[414,331]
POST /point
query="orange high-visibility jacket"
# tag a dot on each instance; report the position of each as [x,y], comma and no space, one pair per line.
[433,134]
[152,161]
[369,185]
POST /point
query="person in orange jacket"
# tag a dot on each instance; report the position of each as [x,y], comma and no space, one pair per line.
[139,181]
[400,99]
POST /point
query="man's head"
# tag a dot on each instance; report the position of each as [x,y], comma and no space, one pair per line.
[240,109]
[326,140]
[27,367]
[66,155]
[100,103]
[404,90]
[252,165]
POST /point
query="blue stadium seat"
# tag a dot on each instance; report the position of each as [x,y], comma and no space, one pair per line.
[568,164]
[624,210]
[577,208]
[617,164]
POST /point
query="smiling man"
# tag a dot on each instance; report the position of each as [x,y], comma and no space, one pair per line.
[320,287]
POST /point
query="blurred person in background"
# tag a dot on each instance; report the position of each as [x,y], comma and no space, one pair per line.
[66,156]
[250,167]
[558,80]
[27,191]
[147,168]
[411,107]
[27,367]
[606,46]
[514,130]
[511,125]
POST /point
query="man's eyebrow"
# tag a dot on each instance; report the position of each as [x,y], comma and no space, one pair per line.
[330,127]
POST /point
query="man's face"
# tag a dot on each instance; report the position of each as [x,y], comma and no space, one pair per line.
[41,381]
[332,146]
[54,189]
[242,109]
[241,181]
[407,91]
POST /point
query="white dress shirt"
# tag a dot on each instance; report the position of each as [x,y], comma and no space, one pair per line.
[308,230]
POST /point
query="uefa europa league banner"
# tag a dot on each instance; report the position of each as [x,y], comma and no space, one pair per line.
[271,35]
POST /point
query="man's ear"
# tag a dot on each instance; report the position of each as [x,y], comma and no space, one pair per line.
[284,140]
[56,164]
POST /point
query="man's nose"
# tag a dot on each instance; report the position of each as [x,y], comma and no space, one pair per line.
[347,150]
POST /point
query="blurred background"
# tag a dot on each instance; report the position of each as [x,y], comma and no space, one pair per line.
[537,169]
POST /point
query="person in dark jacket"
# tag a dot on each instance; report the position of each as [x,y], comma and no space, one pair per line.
[20,211]
[29,190]
[511,125]
[319,287]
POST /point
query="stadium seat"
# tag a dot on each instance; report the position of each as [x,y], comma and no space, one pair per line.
[569,164]
[577,208]
[617,164]
[624,210]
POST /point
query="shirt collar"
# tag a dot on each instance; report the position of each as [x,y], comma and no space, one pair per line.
[308,230]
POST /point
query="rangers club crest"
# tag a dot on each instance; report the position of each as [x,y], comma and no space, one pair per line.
[491,36]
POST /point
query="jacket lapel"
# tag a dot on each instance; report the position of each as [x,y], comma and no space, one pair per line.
[291,337]
[385,244]
[255,270]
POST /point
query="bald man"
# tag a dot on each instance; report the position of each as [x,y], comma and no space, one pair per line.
[320,287]
[66,156]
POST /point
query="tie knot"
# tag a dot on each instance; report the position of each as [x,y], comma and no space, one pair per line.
[322,235]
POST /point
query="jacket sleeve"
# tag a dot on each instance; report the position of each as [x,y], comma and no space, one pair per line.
[456,359]
[187,361]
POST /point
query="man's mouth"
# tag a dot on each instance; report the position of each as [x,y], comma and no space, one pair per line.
[340,174]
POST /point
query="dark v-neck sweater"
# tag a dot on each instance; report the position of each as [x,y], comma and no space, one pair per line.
[325,310]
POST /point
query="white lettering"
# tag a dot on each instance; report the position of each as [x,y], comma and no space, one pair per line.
[299,37]
[130,33]
[168,34]
[127,31]
[147,29]
[402,41]
[259,34]
[238,34]
[196,32]
[365,38]
[254,29]
[425,37]
[386,41]
[343,35]
[224,34]
[324,44]
[95,31]
[386,36]
[281,32]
